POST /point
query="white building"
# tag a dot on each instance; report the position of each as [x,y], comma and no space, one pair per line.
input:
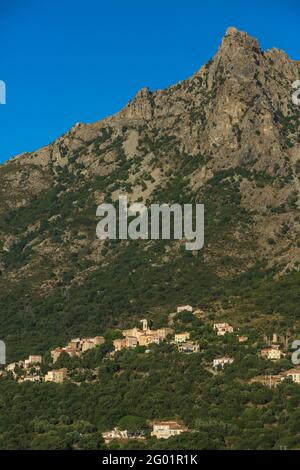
[293,374]
[273,353]
[223,328]
[222,361]
[182,337]
[188,347]
[120,434]
[30,378]
[166,429]
[185,308]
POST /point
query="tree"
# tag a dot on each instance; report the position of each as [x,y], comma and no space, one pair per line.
[132,423]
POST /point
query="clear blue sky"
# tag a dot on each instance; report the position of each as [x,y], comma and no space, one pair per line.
[66,61]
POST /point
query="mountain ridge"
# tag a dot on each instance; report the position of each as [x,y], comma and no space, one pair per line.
[228,137]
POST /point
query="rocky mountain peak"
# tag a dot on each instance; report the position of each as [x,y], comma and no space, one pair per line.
[140,107]
[239,39]
[239,53]
[237,35]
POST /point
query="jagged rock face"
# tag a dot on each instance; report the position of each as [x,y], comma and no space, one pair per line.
[234,110]
[229,135]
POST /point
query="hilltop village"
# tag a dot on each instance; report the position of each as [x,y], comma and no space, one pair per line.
[37,368]
[30,368]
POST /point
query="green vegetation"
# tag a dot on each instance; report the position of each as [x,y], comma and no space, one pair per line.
[223,411]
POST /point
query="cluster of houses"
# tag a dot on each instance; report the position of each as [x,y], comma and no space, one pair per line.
[27,370]
[123,435]
[57,375]
[145,336]
[76,347]
[30,369]
[141,337]
[222,329]
[273,381]
[166,429]
[160,430]
[274,353]
[183,343]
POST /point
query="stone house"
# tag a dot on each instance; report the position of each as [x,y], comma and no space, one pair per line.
[119,434]
[182,337]
[163,332]
[272,353]
[13,366]
[56,376]
[77,346]
[135,332]
[145,340]
[166,429]
[32,360]
[130,342]
[90,343]
[119,344]
[243,339]
[72,352]
[293,374]
[223,328]
[74,344]
[188,348]
[55,353]
[30,378]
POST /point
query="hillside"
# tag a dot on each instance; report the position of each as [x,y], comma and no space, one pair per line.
[227,137]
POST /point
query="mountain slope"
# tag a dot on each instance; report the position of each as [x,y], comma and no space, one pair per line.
[227,137]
